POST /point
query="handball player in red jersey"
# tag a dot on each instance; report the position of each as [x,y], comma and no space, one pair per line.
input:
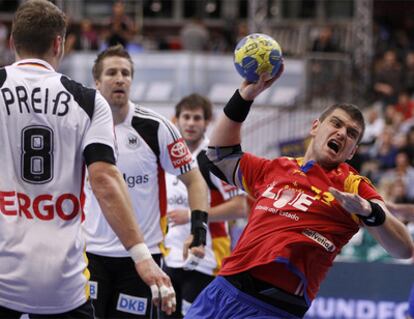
[305,210]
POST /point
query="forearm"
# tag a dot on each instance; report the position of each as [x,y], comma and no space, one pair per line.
[405,211]
[393,236]
[197,195]
[234,208]
[112,195]
[227,131]
[196,189]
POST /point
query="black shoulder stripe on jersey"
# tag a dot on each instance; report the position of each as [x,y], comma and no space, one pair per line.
[148,130]
[203,161]
[157,117]
[185,168]
[3,76]
[84,96]
[97,152]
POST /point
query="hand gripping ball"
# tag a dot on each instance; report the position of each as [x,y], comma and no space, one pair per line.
[255,54]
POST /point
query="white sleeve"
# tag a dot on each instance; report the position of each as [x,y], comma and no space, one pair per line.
[175,156]
[101,128]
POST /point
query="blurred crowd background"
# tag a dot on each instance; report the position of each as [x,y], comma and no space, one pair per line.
[359,51]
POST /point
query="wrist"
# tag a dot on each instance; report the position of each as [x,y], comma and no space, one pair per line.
[139,252]
[237,108]
[377,216]
[199,227]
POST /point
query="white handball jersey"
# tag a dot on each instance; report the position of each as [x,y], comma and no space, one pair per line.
[48,124]
[218,240]
[148,146]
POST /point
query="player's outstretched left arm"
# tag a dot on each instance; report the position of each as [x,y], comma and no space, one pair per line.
[381,224]
[198,202]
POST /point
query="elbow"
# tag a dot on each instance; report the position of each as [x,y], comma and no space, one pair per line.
[405,251]
[102,181]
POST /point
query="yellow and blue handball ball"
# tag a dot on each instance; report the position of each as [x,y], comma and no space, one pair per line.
[255,54]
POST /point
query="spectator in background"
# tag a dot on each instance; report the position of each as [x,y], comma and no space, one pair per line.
[409,72]
[403,173]
[324,77]
[402,42]
[374,126]
[392,118]
[325,41]
[398,191]
[409,145]
[88,39]
[384,151]
[405,105]
[387,78]
[195,36]
[6,55]
[121,27]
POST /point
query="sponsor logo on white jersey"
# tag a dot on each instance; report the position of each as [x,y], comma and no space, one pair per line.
[179,153]
[179,200]
[42,207]
[132,181]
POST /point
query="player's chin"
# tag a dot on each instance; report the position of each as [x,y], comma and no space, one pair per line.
[119,99]
[330,162]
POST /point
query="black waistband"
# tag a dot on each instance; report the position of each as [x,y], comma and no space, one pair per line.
[277,297]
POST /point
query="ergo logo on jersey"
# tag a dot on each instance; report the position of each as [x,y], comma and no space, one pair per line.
[179,153]
[43,207]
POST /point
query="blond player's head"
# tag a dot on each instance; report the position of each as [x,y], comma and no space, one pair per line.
[113,51]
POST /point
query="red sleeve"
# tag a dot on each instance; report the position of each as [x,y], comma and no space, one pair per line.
[252,171]
[367,191]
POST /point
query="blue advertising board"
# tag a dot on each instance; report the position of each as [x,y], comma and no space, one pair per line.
[354,290]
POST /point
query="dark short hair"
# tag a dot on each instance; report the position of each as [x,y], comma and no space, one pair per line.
[36,24]
[193,102]
[352,110]
[116,50]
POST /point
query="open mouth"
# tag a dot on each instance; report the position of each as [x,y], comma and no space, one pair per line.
[119,91]
[334,145]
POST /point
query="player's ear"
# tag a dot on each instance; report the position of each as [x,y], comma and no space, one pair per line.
[11,44]
[174,120]
[352,153]
[58,45]
[314,128]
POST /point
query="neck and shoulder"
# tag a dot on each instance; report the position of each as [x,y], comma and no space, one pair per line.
[120,113]
[52,56]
